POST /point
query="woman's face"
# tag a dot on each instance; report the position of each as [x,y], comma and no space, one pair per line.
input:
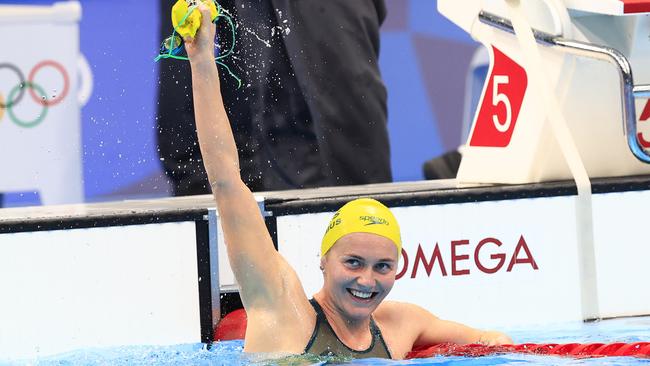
[359,271]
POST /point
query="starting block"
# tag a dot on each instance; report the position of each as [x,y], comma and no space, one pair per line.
[594,54]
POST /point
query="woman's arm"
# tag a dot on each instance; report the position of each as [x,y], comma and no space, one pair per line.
[255,262]
[435,330]
[412,326]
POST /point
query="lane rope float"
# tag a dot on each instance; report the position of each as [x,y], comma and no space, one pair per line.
[574,350]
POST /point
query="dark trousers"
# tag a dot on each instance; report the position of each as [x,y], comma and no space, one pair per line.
[312,107]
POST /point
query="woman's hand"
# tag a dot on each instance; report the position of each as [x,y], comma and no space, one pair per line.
[492,338]
[202,46]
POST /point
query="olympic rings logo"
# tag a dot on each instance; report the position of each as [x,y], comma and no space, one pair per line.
[36,92]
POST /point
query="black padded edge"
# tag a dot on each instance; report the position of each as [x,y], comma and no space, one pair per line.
[500,192]
[272,226]
[122,219]
[203,280]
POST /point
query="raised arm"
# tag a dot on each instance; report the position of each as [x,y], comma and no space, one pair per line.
[255,262]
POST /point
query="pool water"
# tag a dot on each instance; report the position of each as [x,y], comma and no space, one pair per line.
[627,330]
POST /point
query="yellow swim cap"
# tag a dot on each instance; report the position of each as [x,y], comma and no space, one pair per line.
[363,215]
[193,20]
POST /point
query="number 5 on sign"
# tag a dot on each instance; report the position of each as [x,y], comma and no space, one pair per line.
[501,98]
[501,102]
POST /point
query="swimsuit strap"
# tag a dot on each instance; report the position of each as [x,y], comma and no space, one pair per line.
[376,335]
[320,317]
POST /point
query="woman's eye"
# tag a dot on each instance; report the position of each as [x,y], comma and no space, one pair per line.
[354,263]
[383,267]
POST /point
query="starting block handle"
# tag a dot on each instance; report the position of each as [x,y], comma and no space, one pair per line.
[629,92]
[642,91]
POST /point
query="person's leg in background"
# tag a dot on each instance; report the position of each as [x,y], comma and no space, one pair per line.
[315,96]
[334,49]
[278,118]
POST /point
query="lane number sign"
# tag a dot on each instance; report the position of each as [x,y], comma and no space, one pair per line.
[501,102]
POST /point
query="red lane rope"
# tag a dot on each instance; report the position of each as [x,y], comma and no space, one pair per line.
[578,350]
[233,326]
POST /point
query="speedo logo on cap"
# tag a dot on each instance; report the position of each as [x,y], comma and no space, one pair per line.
[374,220]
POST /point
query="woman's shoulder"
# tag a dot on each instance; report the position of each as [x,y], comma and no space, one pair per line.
[397,311]
[389,306]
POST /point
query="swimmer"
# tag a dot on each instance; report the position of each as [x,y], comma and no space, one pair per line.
[348,316]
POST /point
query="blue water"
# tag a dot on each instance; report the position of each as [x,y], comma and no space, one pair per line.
[230,353]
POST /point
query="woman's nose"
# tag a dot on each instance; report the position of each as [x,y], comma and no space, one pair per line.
[366,279]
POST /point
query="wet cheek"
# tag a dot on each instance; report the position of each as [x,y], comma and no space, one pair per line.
[389,282]
[342,279]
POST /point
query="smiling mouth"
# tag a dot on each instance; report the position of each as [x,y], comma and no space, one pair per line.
[361,295]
